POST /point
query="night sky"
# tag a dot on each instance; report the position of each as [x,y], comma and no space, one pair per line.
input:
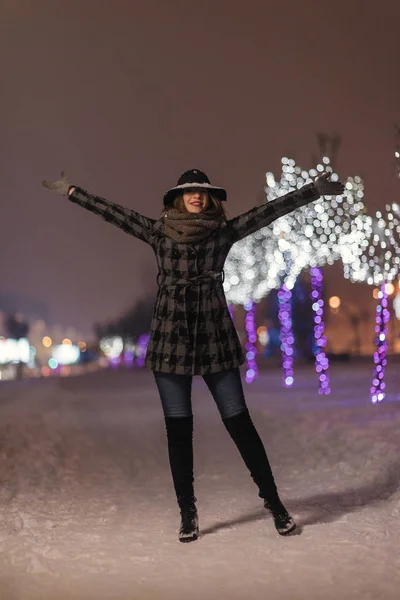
[125,96]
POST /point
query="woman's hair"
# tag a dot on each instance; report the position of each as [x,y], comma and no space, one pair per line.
[214,206]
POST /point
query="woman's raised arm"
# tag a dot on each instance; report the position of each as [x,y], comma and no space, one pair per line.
[261,216]
[126,219]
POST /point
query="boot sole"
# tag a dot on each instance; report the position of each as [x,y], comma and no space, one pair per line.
[289,531]
[191,538]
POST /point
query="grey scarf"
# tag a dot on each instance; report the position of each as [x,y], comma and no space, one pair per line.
[190,227]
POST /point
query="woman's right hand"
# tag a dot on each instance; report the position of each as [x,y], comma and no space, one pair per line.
[61,186]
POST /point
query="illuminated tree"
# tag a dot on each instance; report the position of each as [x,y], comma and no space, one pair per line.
[309,237]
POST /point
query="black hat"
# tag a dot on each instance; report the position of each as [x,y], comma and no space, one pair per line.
[193,178]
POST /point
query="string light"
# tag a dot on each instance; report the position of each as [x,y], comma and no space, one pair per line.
[311,236]
[321,360]
[112,347]
[380,360]
[129,358]
[231,308]
[376,260]
[287,338]
[375,257]
[141,349]
[251,349]
[396,305]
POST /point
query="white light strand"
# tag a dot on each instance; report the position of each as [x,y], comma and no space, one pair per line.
[311,236]
[320,233]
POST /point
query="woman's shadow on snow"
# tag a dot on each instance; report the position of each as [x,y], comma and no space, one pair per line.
[325,508]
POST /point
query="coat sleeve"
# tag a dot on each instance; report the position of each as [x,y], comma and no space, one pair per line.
[264,215]
[126,219]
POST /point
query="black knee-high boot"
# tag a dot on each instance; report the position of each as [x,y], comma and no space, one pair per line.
[251,448]
[244,434]
[180,451]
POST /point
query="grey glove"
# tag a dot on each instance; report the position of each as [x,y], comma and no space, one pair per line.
[61,186]
[325,187]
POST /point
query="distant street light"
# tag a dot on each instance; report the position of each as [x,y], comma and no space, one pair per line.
[389,289]
[334,301]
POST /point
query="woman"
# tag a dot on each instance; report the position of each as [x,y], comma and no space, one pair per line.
[191,331]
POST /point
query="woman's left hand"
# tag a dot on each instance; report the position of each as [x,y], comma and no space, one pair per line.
[61,186]
[326,187]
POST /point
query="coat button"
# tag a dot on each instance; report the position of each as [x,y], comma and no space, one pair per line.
[166,359]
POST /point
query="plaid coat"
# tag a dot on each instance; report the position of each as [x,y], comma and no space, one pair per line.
[192,332]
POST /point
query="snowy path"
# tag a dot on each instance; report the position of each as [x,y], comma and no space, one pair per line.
[87,509]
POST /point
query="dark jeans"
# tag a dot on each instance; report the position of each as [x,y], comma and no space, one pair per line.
[227,391]
[225,387]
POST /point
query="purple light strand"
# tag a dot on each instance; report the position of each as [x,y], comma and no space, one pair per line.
[251,349]
[115,362]
[231,308]
[286,334]
[321,360]
[380,360]
[142,344]
[129,358]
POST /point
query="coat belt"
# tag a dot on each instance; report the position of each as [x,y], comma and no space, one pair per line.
[172,282]
[204,277]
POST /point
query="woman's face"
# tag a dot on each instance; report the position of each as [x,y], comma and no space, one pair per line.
[195,200]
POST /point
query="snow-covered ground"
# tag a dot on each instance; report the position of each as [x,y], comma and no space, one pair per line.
[87,509]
